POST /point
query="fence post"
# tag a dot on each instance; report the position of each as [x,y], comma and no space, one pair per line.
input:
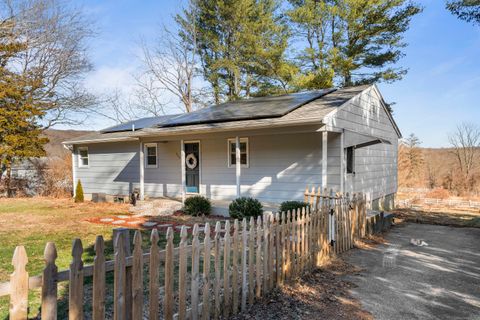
[49,283]
[154,276]
[75,298]
[195,268]
[271,251]
[137,277]
[98,301]
[169,260]
[206,273]
[19,285]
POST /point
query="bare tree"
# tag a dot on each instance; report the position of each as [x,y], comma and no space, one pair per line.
[171,66]
[465,141]
[55,36]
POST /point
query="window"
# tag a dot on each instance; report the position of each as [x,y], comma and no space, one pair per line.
[350,154]
[83,157]
[151,155]
[232,157]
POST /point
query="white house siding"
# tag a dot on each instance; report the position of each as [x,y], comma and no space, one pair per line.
[113,168]
[280,166]
[376,165]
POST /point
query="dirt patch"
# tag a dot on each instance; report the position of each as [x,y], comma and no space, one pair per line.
[320,294]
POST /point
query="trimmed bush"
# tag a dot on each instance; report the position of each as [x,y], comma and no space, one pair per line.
[293,205]
[197,206]
[79,192]
[245,207]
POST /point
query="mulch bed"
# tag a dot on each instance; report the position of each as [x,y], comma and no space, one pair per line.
[161,223]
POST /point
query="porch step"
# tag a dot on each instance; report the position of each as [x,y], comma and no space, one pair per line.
[156,207]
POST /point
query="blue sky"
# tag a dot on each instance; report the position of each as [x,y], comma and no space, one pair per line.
[441,89]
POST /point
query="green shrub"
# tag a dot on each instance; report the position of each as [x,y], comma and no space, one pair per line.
[293,205]
[197,205]
[245,207]
[79,192]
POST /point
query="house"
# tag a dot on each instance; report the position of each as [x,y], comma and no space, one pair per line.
[269,148]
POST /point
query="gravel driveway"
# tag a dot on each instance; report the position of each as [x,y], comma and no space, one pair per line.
[440,280]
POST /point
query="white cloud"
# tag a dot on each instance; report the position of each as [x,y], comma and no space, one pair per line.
[107,79]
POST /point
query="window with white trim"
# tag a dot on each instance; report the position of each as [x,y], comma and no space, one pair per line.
[151,159]
[83,157]
[232,156]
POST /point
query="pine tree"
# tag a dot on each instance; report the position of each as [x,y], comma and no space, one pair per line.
[20,135]
[241,44]
[467,10]
[351,41]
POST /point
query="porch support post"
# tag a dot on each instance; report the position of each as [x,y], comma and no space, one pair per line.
[324,158]
[142,171]
[237,164]
[182,167]
[74,171]
[342,162]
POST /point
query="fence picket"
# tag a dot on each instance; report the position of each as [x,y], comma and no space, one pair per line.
[288,236]
[154,273]
[169,274]
[278,249]
[49,283]
[226,271]
[235,253]
[137,277]
[182,274]
[243,260]
[119,285]
[19,285]
[195,276]
[266,259]
[258,273]
[75,298]
[206,273]
[217,279]
[98,301]
[251,261]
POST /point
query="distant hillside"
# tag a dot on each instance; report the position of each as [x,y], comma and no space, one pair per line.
[54,147]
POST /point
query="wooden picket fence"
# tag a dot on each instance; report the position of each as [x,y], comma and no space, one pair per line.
[216,274]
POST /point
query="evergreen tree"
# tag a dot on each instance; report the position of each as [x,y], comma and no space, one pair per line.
[20,135]
[241,44]
[468,10]
[79,192]
[352,41]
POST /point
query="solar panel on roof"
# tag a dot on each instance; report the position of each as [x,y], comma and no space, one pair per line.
[248,109]
[139,124]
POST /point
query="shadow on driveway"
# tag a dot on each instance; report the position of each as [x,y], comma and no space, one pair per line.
[440,280]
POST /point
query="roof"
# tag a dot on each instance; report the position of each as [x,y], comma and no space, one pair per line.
[313,110]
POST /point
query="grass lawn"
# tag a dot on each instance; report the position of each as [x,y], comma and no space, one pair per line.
[32,222]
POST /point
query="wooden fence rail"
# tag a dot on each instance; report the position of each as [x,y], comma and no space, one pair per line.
[216,274]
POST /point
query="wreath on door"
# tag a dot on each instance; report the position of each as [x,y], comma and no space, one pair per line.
[191,161]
